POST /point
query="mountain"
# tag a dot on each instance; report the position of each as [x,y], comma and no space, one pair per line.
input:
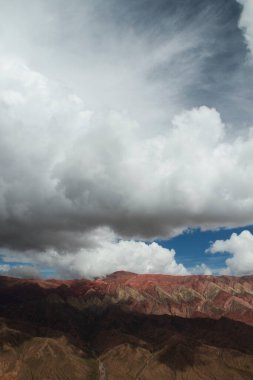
[127,326]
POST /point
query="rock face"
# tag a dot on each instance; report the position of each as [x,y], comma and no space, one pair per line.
[183,296]
[127,326]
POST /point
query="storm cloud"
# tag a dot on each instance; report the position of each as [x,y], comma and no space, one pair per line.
[66,172]
[111,120]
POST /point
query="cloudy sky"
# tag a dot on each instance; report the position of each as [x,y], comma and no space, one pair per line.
[126,137]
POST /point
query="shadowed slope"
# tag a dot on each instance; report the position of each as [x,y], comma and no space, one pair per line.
[111,328]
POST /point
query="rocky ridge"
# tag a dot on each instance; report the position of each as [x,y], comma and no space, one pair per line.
[184,296]
[127,326]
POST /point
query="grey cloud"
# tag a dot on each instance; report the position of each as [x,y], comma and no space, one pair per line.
[89,136]
[20,271]
[70,172]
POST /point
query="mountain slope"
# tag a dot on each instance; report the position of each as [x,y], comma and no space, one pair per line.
[127,326]
[185,296]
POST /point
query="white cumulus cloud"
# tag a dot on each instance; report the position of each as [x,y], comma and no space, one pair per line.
[201,269]
[105,255]
[240,246]
[137,257]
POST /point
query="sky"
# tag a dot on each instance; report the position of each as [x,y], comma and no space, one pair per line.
[126,137]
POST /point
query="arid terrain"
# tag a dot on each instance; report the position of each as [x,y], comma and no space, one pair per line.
[127,326]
